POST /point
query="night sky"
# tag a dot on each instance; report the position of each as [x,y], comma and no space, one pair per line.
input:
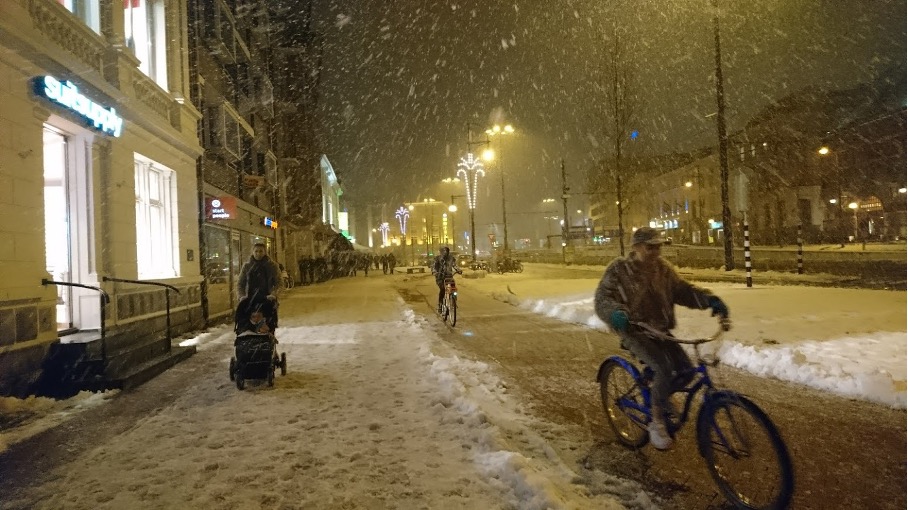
[403,79]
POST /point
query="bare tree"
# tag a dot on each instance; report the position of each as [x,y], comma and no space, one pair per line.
[618,114]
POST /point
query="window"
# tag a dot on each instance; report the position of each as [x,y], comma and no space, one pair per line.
[155,220]
[85,10]
[146,35]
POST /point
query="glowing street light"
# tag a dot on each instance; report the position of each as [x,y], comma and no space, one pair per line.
[494,131]
[384,227]
[402,214]
[470,170]
[854,208]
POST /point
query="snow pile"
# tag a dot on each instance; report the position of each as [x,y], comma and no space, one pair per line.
[24,418]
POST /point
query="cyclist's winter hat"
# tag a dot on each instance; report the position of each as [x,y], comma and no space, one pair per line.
[647,235]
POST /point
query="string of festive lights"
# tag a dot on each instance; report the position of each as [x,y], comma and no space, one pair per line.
[402,214]
[470,164]
[384,227]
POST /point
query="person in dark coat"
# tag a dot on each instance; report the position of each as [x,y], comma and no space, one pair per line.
[305,271]
[643,287]
[443,267]
[260,280]
[392,262]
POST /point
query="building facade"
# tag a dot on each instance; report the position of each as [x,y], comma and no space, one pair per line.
[231,75]
[98,149]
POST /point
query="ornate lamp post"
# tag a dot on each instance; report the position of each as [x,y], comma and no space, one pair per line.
[470,170]
[384,228]
[402,214]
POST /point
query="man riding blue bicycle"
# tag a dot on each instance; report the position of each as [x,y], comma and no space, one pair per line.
[444,267]
[643,287]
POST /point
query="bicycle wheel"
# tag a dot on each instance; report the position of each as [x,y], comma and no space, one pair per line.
[622,400]
[745,453]
[452,310]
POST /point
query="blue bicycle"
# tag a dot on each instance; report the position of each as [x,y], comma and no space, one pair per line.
[743,450]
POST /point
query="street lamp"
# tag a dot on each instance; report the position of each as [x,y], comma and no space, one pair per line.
[384,228]
[470,170]
[837,201]
[402,214]
[493,131]
[453,209]
[854,208]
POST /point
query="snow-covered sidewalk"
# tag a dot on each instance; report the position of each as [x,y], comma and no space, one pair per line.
[375,412]
[848,341]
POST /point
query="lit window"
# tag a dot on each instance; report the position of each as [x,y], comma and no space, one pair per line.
[85,10]
[146,36]
[155,225]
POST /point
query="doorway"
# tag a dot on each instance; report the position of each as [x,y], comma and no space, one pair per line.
[58,257]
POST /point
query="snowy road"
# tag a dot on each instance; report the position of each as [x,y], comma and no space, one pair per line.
[847,454]
[385,407]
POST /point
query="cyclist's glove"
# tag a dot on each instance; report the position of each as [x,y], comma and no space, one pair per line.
[619,321]
[718,307]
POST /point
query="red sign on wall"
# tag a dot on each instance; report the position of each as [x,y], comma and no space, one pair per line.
[220,208]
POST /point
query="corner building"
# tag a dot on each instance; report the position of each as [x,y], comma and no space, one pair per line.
[98,151]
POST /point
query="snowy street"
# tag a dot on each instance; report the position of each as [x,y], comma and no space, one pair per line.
[385,407]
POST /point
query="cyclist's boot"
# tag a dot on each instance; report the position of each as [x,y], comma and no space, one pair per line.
[658,434]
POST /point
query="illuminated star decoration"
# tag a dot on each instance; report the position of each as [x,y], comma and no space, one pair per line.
[467,165]
[384,227]
[402,214]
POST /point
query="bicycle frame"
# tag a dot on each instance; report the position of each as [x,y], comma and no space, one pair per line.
[450,286]
[645,410]
[642,380]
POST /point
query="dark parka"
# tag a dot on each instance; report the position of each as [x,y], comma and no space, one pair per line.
[258,279]
[646,294]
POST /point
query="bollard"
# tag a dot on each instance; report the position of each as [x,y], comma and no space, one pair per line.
[747,254]
[800,252]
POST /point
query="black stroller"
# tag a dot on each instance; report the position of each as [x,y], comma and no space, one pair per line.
[256,356]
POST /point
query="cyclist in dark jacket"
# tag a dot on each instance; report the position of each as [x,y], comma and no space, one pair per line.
[444,267]
[643,287]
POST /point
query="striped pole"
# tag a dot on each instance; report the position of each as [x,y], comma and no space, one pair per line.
[747,252]
[800,252]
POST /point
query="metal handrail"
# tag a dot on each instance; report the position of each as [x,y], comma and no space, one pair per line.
[105,299]
[156,284]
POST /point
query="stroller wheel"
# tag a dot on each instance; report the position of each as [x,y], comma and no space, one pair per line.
[240,383]
[232,368]
[271,377]
[283,363]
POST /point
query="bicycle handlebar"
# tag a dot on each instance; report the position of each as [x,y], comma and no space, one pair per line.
[724,325]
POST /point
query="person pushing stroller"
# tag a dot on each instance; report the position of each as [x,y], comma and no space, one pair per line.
[260,281]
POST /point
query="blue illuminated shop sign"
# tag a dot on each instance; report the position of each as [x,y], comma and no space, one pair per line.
[66,94]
